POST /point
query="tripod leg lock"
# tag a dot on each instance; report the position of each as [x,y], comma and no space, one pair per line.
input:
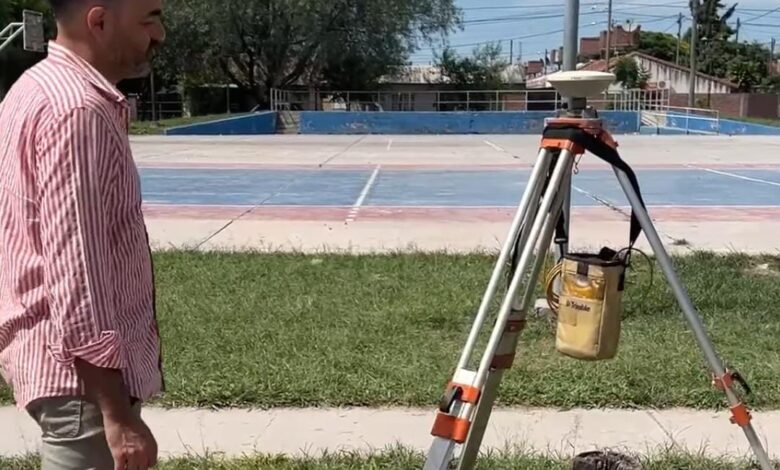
[740,415]
[460,392]
[451,428]
[728,379]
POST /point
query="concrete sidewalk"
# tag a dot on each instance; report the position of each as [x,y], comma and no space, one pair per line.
[185,432]
[367,236]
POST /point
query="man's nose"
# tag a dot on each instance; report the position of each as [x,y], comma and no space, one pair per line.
[158,33]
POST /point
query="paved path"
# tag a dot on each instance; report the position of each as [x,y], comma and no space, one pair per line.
[296,432]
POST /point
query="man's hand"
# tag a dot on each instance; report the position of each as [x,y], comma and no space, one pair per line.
[131,442]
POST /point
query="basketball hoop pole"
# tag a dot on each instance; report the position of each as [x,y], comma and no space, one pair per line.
[31,29]
[13,34]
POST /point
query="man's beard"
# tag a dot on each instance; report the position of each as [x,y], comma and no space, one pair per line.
[140,70]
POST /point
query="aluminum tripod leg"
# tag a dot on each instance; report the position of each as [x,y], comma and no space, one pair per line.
[454,419]
[440,453]
[693,318]
[509,341]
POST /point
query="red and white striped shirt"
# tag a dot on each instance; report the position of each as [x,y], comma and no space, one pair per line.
[76,276]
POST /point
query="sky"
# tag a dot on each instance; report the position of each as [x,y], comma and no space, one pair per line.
[536,25]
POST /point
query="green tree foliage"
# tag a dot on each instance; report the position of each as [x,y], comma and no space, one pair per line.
[712,20]
[770,84]
[262,44]
[714,49]
[482,70]
[744,72]
[662,45]
[629,74]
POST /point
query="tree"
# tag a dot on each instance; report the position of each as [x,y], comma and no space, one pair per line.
[630,74]
[712,24]
[483,70]
[661,45]
[713,34]
[770,84]
[744,72]
[262,44]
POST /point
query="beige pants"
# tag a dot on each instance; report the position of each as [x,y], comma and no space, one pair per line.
[72,434]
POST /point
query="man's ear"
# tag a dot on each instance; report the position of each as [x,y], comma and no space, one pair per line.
[96,20]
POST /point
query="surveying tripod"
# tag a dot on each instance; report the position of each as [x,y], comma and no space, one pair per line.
[465,407]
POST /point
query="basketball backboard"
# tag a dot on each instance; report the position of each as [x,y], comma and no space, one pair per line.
[33,31]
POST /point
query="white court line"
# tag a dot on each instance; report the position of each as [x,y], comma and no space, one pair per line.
[389,144]
[495,147]
[733,175]
[363,195]
[625,211]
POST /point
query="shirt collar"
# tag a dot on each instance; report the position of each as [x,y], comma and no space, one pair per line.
[60,53]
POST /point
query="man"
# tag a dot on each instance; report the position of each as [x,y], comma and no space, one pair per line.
[78,336]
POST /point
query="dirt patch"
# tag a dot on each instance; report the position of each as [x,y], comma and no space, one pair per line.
[765,269]
[605,460]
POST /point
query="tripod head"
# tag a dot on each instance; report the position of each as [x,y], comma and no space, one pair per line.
[580,84]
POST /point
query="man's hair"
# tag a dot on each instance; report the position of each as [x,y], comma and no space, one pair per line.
[61,7]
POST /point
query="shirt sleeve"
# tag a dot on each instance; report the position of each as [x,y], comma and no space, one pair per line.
[75,154]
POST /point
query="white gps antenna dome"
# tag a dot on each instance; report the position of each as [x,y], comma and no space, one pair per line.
[581,83]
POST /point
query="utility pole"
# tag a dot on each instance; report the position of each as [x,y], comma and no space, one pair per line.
[571,30]
[694,40]
[511,52]
[154,96]
[570,53]
[772,56]
[679,36]
[739,25]
[609,34]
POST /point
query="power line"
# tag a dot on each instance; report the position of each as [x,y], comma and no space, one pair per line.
[762,25]
[548,5]
[513,19]
[550,15]
[535,35]
[763,15]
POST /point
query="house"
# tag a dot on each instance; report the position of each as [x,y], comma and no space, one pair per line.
[668,75]
[620,40]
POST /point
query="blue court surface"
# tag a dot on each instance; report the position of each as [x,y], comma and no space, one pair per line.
[468,188]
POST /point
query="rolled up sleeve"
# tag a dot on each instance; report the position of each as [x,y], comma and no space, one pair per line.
[74,179]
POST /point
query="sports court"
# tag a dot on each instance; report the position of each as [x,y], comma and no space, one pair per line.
[706,190]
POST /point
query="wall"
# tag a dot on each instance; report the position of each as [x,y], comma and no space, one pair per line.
[677,78]
[763,106]
[247,124]
[723,127]
[730,127]
[757,105]
[531,122]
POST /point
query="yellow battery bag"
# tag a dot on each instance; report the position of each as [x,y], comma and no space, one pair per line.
[589,302]
[590,305]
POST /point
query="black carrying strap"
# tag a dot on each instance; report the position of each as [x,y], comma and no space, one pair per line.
[600,149]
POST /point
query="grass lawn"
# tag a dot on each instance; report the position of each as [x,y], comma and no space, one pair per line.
[158,127]
[400,459]
[766,122]
[273,330]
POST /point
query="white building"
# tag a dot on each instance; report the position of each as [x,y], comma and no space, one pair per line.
[663,75]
